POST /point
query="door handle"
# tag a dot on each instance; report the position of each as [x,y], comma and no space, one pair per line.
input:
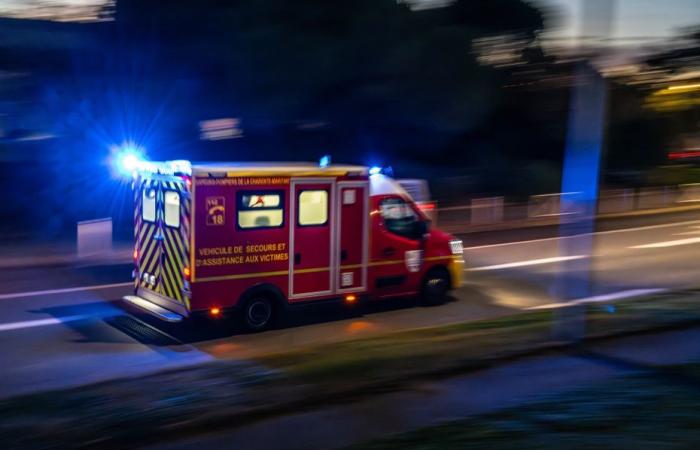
[297,258]
[388,251]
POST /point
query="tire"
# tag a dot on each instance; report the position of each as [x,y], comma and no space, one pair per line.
[435,286]
[258,312]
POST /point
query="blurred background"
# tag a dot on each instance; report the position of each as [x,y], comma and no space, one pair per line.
[558,139]
[473,97]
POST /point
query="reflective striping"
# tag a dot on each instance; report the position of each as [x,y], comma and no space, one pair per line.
[243,276]
[313,270]
[300,173]
[172,270]
[386,263]
[439,258]
[169,266]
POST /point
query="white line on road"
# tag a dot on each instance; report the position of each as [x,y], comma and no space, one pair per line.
[64,291]
[529,262]
[38,323]
[602,298]
[555,238]
[669,243]
[687,233]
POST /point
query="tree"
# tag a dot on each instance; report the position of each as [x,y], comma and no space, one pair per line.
[367,67]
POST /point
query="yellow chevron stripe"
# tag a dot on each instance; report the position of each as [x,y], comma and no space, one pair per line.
[173,249]
[149,248]
[171,273]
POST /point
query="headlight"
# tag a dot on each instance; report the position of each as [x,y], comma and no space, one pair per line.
[456,247]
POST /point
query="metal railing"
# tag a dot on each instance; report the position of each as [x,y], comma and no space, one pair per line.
[495,212]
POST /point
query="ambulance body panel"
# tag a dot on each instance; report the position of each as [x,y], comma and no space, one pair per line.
[211,238]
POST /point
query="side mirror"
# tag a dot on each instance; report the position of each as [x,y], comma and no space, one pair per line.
[421,228]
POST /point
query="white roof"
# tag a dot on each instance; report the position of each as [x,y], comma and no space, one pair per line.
[277,168]
[380,184]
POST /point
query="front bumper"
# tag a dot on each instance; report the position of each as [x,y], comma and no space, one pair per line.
[456,269]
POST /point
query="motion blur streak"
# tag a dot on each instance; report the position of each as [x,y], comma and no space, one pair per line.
[38,323]
[531,262]
[669,243]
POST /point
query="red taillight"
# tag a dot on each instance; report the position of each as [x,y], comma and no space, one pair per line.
[215,312]
[136,255]
[350,298]
[186,272]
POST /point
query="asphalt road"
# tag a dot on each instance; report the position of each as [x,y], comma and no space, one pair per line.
[72,335]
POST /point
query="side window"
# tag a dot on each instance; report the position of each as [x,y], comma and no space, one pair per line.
[148,204]
[172,209]
[264,209]
[313,207]
[399,217]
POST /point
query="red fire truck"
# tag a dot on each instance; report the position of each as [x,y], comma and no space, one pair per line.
[250,240]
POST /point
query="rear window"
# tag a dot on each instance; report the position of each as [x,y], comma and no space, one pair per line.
[172,209]
[148,206]
[260,209]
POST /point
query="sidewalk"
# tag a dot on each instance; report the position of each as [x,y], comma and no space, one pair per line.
[430,403]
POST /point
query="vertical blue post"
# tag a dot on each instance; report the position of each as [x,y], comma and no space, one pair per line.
[580,180]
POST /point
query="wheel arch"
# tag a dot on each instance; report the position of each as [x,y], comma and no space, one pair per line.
[438,267]
[263,288]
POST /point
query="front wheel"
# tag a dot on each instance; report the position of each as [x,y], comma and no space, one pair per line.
[258,313]
[436,284]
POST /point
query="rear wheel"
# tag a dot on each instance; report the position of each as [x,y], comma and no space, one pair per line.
[258,312]
[436,284]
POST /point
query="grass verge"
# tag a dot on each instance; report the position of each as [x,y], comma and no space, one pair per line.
[215,396]
[635,412]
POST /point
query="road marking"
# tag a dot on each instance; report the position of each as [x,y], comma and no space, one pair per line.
[622,295]
[38,323]
[669,243]
[555,238]
[529,262]
[64,291]
[687,233]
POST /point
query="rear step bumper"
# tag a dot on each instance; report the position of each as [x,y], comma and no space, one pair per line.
[153,309]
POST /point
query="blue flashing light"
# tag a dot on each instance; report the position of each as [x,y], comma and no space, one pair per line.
[375,170]
[325,161]
[127,159]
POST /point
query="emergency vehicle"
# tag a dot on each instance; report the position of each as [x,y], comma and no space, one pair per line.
[252,239]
